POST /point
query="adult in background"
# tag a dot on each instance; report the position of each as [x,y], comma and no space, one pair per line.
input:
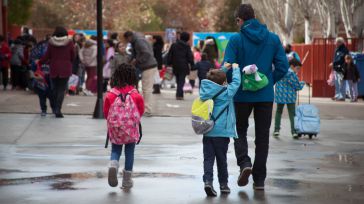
[16,64]
[110,52]
[88,57]
[5,56]
[143,58]
[337,66]
[254,44]
[77,67]
[181,58]
[158,45]
[60,55]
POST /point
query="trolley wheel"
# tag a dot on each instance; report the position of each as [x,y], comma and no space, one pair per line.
[310,136]
[299,135]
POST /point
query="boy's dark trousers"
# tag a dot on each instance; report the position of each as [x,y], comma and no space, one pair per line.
[43,95]
[262,120]
[215,147]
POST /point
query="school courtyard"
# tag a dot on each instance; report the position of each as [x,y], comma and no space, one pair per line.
[49,160]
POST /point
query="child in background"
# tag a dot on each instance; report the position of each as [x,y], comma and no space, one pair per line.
[216,141]
[203,67]
[123,108]
[285,93]
[351,74]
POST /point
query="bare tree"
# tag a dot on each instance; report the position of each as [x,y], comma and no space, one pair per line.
[307,9]
[352,16]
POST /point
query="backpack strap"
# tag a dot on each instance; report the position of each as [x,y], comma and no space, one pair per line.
[223,110]
[218,93]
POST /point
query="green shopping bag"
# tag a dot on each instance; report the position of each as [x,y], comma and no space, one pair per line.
[254,82]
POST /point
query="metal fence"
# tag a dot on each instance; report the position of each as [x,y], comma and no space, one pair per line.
[316,58]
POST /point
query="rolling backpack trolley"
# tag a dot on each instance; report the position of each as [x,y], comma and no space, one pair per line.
[307,119]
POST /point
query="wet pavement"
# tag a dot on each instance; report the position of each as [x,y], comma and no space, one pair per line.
[48,160]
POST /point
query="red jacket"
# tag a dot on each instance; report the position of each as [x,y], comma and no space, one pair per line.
[6,53]
[60,54]
[137,98]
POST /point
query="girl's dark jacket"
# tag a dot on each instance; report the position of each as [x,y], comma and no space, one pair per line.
[351,72]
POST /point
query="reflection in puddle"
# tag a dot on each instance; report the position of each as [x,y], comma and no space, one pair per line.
[64,185]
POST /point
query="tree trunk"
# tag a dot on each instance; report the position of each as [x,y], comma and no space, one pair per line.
[308,31]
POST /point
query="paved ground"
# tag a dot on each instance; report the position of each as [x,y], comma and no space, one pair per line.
[48,160]
[164,105]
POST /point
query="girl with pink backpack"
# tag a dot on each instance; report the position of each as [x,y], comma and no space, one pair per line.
[123,108]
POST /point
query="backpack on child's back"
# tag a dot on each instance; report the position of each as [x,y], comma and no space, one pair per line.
[202,119]
[123,120]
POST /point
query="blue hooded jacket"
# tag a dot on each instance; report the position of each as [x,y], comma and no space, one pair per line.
[254,44]
[225,125]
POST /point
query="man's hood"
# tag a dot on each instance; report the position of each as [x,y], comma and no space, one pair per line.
[254,31]
[209,89]
[59,41]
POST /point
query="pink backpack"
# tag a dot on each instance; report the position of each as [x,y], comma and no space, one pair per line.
[123,119]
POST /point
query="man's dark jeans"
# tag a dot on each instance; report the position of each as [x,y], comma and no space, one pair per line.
[180,80]
[262,120]
[59,86]
[215,147]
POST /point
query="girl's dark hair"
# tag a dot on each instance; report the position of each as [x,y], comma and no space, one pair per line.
[124,75]
[204,57]
[158,40]
[197,49]
[295,62]
[110,42]
[60,32]
[116,47]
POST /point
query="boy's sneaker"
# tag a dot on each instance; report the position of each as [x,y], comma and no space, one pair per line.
[258,186]
[224,189]
[43,114]
[243,179]
[276,134]
[209,189]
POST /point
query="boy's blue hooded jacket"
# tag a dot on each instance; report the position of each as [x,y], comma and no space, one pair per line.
[225,125]
[254,44]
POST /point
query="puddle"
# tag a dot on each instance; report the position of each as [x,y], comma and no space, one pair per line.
[83,176]
[348,159]
[64,185]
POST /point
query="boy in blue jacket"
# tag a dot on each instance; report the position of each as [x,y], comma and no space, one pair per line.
[216,141]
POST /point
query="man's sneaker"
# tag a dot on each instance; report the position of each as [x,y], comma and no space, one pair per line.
[243,179]
[43,114]
[209,189]
[147,114]
[224,189]
[258,186]
[276,134]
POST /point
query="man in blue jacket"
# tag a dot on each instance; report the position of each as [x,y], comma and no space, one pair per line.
[254,44]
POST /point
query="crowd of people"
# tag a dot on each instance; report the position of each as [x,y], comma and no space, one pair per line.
[47,67]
